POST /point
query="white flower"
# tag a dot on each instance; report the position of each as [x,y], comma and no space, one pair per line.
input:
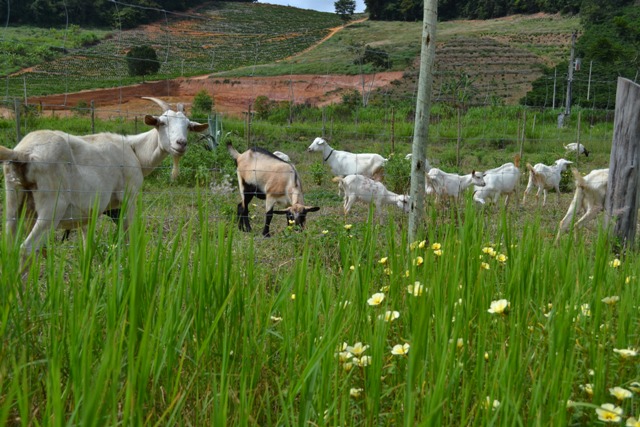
[376,299]
[499,306]
[355,392]
[400,349]
[611,300]
[609,413]
[620,393]
[626,353]
[390,316]
[357,349]
[416,289]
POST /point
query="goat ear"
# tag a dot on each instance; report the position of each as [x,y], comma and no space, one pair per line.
[197,127]
[311,209]
[151,120]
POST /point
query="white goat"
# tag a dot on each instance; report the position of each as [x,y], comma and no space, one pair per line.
[365,189]
[343,163]
[451,185]
[589,195]
[268,177]
[60,178]
[545,177]
[283,156]
[501,180]
[574,146]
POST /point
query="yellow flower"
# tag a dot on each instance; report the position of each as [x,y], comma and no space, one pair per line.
[390,316]
[325,231]
[437,252]
[357,349]
[276,318]
[626,353]
[400,349]
[612,300]
[635,386]
[484,266]
[413,245]
[406,273]
[347,366]
[587,388]
[632,422]
[493,405]
[348,226]
[416,289]
[376,299]
[383,260]
[418,261]
[460,343]
[436,246]
[501,258]
[486,355]
[352,268]
[499,307]
[344,356]
[627,280]
[291,222]
[422,244]
[609,413]
[620,393]
[388,271]
[385,288]
[355,392]
[615,263]
[293,296]
[585,309]
[489,251]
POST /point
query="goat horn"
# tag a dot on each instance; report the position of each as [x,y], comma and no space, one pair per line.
[161,103]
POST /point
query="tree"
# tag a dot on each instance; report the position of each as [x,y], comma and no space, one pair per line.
[345,9]
[142,60]
[202,104]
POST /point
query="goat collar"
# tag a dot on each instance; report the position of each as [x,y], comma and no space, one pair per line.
[332,150]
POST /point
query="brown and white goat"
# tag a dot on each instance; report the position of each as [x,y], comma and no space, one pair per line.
[268,177]
[59,179]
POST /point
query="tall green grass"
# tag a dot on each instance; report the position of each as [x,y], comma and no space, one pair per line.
[199,324]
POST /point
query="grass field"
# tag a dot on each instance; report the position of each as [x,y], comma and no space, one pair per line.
[346,323]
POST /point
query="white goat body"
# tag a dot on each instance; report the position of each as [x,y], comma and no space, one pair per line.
[359,187]
[500,180]
[263,175]
[344,163]
[545,177]
[574,146]
[450,184]
[589,195]
[60,178]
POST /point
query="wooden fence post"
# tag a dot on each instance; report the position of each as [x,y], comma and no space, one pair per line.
[621,201]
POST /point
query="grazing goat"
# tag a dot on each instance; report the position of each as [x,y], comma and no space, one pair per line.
[501,180]
[451,185]
[574,146]
[343,163]
[268,177]
[61,178]
[283,156]
[545,177]
[589,195]
[360,187]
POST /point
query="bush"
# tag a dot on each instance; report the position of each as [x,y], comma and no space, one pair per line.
[397,174]
[142,61]
[202,104]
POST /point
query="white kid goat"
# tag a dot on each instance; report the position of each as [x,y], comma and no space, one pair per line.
[59,179]
[344,163]
[451,185]
[365,189]
[545,177]
[589,195]
[501,180]
[574,146]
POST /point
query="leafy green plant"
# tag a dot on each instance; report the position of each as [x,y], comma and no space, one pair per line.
[317,172]
[202,104]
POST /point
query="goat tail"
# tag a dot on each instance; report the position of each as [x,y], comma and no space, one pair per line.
[234,153]
[9,155]
[516,160]
[579,179]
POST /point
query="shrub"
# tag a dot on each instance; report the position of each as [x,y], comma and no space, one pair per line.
[142,60]
[202,104]
[397,174]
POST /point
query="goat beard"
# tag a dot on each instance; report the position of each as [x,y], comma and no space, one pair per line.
[176,167]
